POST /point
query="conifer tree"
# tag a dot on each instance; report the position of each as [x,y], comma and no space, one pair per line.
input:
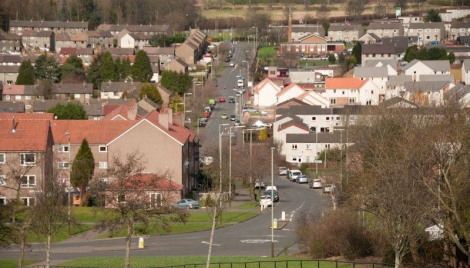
[107,68]
[142,69]
[83,168]
[26,74]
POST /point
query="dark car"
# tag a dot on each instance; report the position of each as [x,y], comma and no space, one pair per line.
[233,117]
[203,122]
[275,196]
[231,99]
[227,59]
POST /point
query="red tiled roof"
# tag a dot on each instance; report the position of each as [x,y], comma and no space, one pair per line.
[13,90]
[29,135]
[344,82]
[68,50]
[108,108]
[96,132]
[27,116]
[120,110]
[178,132]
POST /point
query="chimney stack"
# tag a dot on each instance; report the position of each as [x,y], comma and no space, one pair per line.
[13,129]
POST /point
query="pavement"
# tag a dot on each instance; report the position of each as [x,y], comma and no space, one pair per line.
[242,195]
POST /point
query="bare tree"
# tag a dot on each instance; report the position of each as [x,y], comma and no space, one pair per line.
[215,206]
[132,197]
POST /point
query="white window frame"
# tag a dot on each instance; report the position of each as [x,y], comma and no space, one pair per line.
[3,158]
[28,201]
[76,96]
[64,149]
[103,165]
[23,160]
[64,165]
[28,181]
[102,148]
[3,180]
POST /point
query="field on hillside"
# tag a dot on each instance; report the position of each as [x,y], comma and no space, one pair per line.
[278,12]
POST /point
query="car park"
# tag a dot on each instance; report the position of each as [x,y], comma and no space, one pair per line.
[302,179]
[233,117]
[224,116]
[187,204]
[282,171]
[203,122]
[316,184]
[266,201]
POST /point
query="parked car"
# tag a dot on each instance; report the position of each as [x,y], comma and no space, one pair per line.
[261,124]
[258,185]
[227,59]
[224,116]
[249,109]
[264,113]
[266,201]
[203,122]
[282,171]
[206,160]
[316,184]
[238,123]
[187,204]
[222,99]
[233,117]
[231,99]
[302,179]
[272,192]
[293,174]
[232,64]
[329,188]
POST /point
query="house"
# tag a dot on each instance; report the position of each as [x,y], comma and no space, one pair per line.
[81,92]
[344,91]
[401,44]
[466,71]
[458,28]
[386,29]
[115,90]
[177,65]
[370,38]
[458,94]
[299,31]
[79,40]
[23,93]
[310,76]
[10,42]
[12,107]
[291,91]
[63,41]
[378,76]
[58,27]
[165,55]
[94,109]
[396,86]
[126,39]
[312,45]
[427,32]
[8,74]
[100,39]
[193,47]
[148,30]
[166,148]
[417,68]
[345,32]
[377,52]
[304,148]
[86,55]
[166,94]
[26,154]
[407,20]
[426,93]
[42,41]
[265,93]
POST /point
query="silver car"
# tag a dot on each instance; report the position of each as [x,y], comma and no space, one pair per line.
[187,204]
[302,179]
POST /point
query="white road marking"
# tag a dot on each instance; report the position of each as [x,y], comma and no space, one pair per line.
[204,242]
[257,241]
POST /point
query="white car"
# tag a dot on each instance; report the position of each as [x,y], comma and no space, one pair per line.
[316,184]
[266,201]
[258,185]
[282,171]
[232,64]
[293,174]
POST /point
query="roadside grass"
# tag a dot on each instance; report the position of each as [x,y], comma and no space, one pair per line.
[217,262]
[249,205]
[197,221]
[76,229]
[14,263]
[313,63]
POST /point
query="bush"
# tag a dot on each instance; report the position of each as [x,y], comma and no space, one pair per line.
[338,233]
[303,168]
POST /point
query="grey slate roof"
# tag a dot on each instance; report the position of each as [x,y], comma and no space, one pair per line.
[425,86]
[378,49]
[159,50]
[427,25]
[12,107]
[436,65]
[322,137]
[120,86]
[4,58]
[437,77]
[398,80]
[72,88]
[9,69]
[49,24]
[378,63]
[396,100]
[457,92]
[45,105]
[370,72]
[401,43]
[385,25]
[94,109]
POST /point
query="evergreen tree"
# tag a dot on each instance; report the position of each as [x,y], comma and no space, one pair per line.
[73,110]
[93,72]
[142,69]
[72,70]
[47,68]
[176,82]
[107,68]
[331,59]
[151,91]
[125,70]
[432,16]
[26,74]
[83,168]
[411,53]
[357,52]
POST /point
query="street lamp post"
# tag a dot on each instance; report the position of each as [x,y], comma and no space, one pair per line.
[220,158]
[247,73]
[272,202]
[230,165]
[184,106]
[70,182]
[256,38]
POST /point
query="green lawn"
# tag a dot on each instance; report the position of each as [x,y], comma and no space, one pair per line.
[14,263]
[199,262]
[267,52]
[313,63]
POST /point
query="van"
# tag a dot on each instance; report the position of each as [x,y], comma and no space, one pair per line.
[271,188]
[293,174]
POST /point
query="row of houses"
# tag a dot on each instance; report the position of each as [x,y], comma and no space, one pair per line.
[29,142]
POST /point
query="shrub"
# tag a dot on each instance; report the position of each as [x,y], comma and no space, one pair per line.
[337,233]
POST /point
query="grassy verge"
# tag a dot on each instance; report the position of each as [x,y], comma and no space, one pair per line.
[14,263]
[218,262]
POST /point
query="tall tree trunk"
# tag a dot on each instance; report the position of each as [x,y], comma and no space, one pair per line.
[48,251]
[414,250]
[211,239]
[397,259]
[128,245]
[22,247]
